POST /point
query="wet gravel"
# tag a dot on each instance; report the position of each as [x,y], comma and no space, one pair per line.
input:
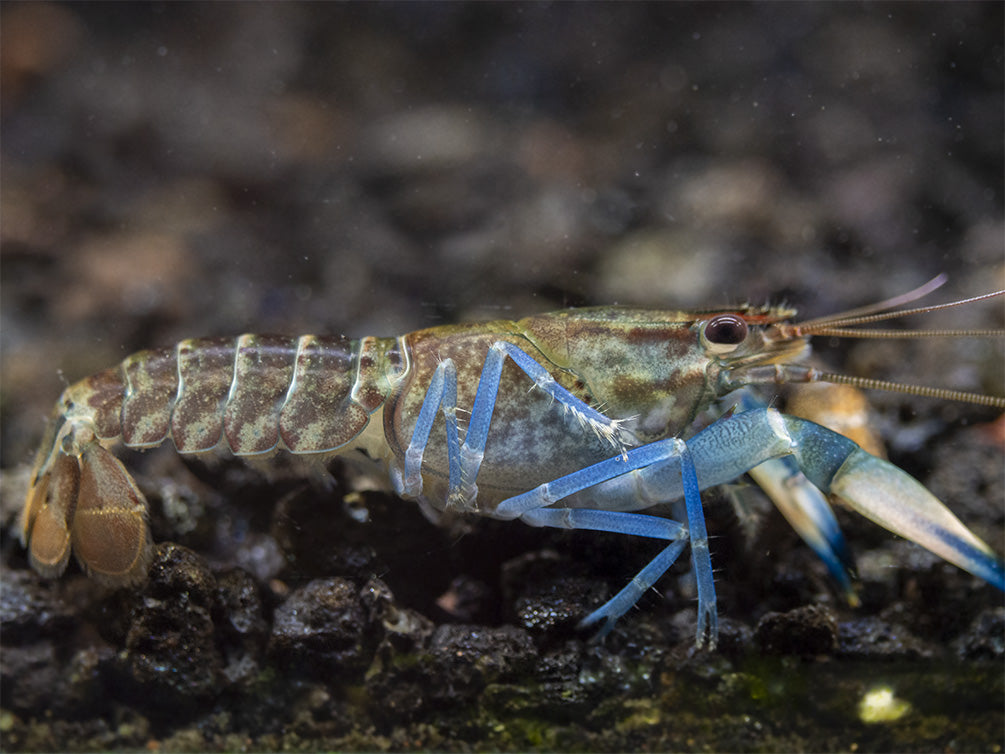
[172,171]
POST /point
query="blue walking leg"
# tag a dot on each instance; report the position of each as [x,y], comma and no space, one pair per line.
[529,505]
[621,602]
[659,454]
[701,558]
[488,386]
[442,392]
[473,450]
[617,522]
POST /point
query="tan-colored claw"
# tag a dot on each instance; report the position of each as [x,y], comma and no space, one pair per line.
[109,530]
[48,515]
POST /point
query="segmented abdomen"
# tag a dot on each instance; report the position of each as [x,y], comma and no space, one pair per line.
[258,393]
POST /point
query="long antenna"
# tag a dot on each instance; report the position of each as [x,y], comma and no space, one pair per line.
[842,325]
[836,324]
[899,387]
[881,306]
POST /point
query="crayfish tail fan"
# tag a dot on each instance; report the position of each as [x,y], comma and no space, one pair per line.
[47,515]
[110,535]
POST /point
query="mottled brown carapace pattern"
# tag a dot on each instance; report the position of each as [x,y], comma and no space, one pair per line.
[314,396]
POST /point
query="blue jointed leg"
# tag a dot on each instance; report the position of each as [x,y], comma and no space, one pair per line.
[488,387]
[645,456]
[442,392]
[472,451]
[636,524]
[616,522]
[662,453]
[701,560]
[622,602]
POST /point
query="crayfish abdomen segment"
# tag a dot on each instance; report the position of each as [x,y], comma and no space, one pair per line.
[258,393]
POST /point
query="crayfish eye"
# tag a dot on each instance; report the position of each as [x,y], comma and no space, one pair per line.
[723,333]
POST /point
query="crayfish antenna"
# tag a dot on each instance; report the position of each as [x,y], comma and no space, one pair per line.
[883,306]
[839,325]
[843,326]
[924,391]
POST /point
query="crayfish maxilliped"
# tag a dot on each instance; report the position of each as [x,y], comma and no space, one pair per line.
[605,433]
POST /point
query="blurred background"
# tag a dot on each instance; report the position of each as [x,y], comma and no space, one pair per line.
[181,170]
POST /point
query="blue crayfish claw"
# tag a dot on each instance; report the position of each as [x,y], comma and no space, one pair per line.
[898,502]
